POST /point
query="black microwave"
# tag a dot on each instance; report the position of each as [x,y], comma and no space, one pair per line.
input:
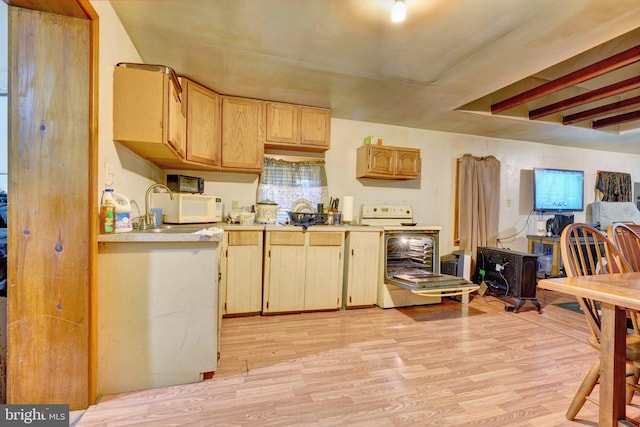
[185,184]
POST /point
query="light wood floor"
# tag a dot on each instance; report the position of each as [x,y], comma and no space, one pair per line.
[436,365]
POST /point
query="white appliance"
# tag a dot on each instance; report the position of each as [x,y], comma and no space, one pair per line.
[409,260]
[187,208]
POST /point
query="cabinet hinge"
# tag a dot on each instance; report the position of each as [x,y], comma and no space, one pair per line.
[267,305]
[219,276]
[352,252]
[225,306]
[349,298]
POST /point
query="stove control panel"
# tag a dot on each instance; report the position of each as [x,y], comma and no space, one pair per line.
[387,211]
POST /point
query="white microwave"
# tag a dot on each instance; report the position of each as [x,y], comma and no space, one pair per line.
[187,208]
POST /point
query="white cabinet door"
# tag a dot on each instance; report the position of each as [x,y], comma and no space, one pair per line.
[244,272]
[286,280]
[244,279]
[324,277]
[284,271]
[362,268]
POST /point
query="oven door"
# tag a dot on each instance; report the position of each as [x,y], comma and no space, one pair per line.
[412,263]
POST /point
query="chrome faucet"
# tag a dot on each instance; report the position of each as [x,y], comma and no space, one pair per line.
[148,221]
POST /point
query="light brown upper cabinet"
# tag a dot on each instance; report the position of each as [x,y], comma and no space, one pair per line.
[148,114]
[386,162]
[296,127]
[242,134]
[204,118]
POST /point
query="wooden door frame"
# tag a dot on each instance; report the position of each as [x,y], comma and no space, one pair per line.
[82,9]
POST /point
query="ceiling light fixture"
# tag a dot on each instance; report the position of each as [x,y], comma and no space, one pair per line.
[398,13]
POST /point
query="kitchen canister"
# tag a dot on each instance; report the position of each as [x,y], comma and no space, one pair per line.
[266,212]
[247,217]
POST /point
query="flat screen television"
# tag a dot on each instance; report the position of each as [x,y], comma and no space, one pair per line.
[558,190]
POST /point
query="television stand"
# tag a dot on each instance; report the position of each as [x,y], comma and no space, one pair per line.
[547,241]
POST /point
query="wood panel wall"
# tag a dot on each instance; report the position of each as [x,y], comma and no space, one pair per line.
[51,244]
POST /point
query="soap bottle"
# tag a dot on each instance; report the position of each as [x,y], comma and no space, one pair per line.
[107,212]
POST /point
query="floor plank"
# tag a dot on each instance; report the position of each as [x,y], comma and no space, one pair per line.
[444,364]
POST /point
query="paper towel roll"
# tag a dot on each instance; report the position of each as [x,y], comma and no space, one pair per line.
[347,209]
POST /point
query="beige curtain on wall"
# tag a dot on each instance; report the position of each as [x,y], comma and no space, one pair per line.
[479,201]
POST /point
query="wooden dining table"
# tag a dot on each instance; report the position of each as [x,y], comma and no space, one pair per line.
[616,292]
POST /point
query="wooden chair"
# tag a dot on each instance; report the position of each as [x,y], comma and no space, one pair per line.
[587,251]
[627,240]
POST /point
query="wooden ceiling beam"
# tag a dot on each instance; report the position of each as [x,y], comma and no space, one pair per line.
[616,120]
[596,69]
[602,110]
[585,98]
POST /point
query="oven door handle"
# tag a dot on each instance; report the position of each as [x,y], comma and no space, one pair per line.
[449,292]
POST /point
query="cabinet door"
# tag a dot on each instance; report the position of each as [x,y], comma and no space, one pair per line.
[324,266]
[407,162]
[176,132]
[362,268]
[284,272]
[203,124]
[244,272]
[242,134]
[282,123]
[315,127]
[380,160]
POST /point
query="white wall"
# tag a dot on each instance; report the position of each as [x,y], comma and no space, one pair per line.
[432,197]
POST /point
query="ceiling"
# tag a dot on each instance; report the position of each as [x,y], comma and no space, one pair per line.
[441,69]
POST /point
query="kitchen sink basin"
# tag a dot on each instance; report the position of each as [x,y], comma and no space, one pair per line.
[172,229]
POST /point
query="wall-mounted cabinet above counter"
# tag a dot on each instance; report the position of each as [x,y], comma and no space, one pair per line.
[179,124]
[148,114]
[296,127]
[387,162]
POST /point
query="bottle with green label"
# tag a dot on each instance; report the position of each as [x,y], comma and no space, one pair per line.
[107,213]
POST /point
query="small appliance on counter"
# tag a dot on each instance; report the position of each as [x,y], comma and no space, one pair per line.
[188,208]
[185,184]
[266,212]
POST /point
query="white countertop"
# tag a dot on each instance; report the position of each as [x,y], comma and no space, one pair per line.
[147,236]
[189,236]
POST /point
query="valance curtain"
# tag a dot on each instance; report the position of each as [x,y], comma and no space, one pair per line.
[613,187]
[286,182]
[479,197]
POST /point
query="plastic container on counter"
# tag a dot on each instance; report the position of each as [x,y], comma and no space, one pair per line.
[122,214]
[107,212]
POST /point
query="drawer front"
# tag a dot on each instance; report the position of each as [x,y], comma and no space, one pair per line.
[244,238]
[325,239]
[287,238]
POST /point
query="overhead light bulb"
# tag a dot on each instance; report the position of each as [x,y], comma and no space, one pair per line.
[398,13]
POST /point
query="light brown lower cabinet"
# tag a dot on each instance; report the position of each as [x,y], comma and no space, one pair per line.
[303,270]
[241,272]
[361,272]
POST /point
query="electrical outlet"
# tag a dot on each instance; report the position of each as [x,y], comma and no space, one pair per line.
[109,174]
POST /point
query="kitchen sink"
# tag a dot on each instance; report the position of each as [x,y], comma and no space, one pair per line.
[172,229]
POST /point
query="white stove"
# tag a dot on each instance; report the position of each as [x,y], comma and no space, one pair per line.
[410,259]
[392,217]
